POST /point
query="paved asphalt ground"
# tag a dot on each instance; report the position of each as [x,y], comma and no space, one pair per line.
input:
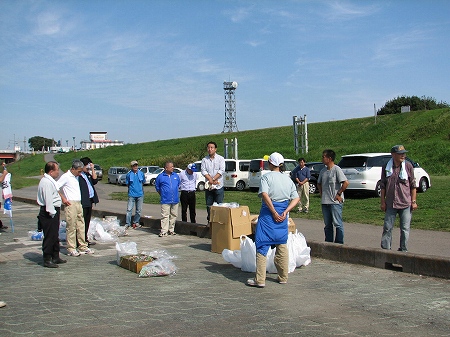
[92,296]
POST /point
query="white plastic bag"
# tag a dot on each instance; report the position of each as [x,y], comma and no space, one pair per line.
[300,251]
[125,248]
[233,257]
[248,254]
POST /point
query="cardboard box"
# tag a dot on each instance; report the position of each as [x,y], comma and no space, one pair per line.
[133,262]
[291,225]
[227,225]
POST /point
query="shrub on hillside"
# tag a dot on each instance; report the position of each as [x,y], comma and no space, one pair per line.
[415,103]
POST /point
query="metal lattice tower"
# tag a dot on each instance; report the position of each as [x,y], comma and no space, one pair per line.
[230,107]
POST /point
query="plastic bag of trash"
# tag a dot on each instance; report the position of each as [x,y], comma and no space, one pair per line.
[159,254]
[35,235]
[62,231]
[125,248]
[99,233]
[248,254]
[298,250]
[232,256]
[159,267]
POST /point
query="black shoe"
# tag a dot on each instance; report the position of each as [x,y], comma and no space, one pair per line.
[50,264]
[90,243]
[58,260]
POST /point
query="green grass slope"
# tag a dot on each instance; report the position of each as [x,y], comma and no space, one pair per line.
[426,134]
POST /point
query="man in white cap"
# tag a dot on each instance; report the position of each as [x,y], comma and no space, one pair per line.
[279,196]
[188,185]
[398,196]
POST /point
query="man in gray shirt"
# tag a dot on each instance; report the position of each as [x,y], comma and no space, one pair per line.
[332,183]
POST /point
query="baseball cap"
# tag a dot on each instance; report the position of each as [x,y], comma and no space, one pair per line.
[134,162]
[276,159]
[192,167]
[398,149]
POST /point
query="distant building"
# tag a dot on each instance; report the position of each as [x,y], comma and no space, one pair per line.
[99,140]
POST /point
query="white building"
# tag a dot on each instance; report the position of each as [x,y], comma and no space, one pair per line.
[99,140]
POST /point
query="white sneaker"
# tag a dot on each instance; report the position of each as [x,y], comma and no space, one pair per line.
[73,253]
[2,304]
[87,251]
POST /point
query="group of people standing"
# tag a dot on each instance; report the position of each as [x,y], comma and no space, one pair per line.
[280,196]
[75,190]
[168,184]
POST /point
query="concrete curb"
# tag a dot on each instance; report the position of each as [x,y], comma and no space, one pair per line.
[426,265]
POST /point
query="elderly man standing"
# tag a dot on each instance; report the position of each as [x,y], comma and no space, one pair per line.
[135,180]
[167,184]
[188,185]
[213,168]
[398,196]
[71,198]
[50,201]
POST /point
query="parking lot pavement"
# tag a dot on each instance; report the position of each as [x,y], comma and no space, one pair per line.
[92,296]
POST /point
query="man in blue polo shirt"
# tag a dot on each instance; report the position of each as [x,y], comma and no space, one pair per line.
[302,177]
[167,184]
[135,180]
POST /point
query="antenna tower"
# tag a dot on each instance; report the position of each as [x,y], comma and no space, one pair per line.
[230,107]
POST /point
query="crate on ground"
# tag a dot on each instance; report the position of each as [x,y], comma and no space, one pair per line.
[135,263]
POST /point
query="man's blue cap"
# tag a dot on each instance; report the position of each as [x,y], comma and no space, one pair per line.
[192,167]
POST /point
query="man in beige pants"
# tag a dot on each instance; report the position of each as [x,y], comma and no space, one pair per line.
[71,198]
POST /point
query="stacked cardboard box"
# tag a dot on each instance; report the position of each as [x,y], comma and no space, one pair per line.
[291,224]
[227,226]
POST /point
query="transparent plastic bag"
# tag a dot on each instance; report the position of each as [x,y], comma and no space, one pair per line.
[159,267]
[125,248]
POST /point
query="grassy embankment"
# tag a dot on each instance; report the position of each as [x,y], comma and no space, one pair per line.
[425,134]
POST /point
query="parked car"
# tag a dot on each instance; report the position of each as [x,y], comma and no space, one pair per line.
[98,171]
[152,176]
[363,172]
[200,181]
[259,167]
[315,167]
[115,172]
[147,170]
[236,173]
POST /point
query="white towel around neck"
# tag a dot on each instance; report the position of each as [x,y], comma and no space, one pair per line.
[403,174]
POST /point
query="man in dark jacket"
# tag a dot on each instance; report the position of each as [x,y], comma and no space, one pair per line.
[87,180]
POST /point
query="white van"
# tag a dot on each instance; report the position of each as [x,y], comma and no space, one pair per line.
[236,173]
[115,172]
[260,166]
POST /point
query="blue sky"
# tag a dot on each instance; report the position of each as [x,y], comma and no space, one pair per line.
[148,70]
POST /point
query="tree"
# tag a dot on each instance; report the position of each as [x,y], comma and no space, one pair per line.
[415,103]
[38,142]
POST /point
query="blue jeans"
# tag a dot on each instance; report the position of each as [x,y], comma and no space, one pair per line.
[332,216]
[405,223]
[137,216]
[212,196]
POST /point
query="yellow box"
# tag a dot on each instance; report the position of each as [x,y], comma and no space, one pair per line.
[227,225]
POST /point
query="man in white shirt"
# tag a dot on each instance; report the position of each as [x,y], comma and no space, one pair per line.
[50,201]
[71,198]
[213,168]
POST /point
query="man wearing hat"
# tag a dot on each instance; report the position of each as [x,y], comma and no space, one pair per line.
[188,185]
[279,196]
[398,196]
[135,180]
